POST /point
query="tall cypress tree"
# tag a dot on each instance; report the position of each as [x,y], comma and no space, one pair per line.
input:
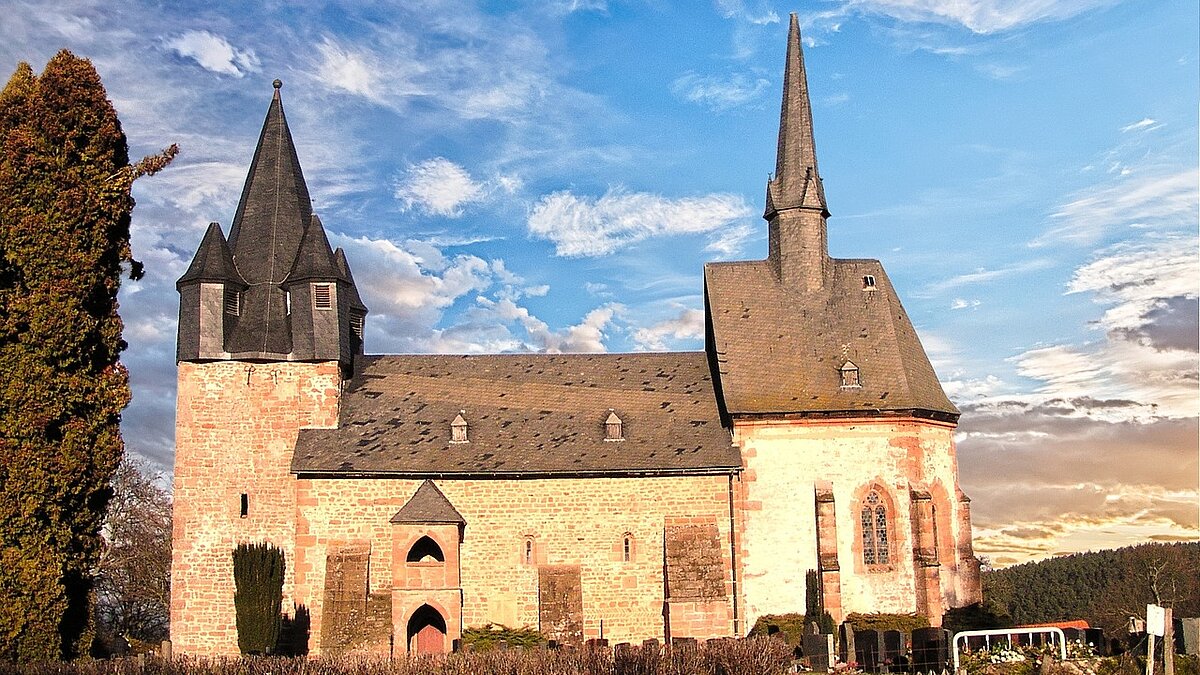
[65,204]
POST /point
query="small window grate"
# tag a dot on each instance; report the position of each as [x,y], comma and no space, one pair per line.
[614,428]
[233,302]
[323,296]
[458,429]
[850,376]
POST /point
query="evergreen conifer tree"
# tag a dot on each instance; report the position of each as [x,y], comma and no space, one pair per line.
[258,598]
[65,204]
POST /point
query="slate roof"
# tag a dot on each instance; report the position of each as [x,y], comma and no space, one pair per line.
[314,259]
[428,505]
[778,349]
[527,415]
[213,261]
[797,182]
[271,218]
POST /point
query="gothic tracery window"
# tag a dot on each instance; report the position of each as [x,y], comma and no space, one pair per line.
[874,522]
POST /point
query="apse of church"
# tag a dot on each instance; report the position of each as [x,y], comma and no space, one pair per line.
[624,496]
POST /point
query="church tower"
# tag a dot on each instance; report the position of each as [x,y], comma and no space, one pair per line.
[270,324]
[846,436]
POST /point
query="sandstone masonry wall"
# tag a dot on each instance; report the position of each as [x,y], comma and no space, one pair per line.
[785,460]
[236,428]
[569,522]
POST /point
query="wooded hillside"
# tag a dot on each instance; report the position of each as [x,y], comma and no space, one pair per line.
[1103,587]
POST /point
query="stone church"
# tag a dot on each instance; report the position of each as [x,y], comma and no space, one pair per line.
[623,496]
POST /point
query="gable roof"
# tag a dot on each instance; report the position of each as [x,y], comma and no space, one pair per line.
[428,505]
[529,415]
[779,349]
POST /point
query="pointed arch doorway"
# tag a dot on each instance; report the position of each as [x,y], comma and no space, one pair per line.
[426,632]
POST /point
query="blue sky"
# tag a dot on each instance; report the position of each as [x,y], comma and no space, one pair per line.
[552,175]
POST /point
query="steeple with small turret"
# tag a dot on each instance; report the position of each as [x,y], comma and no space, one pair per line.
[276,290]
[796,210]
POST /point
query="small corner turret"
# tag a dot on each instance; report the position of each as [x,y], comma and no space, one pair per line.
[276,290]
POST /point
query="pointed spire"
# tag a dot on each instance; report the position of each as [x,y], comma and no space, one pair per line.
[797,183]
[314,260]
[275,207]
[343,267]
[213,261]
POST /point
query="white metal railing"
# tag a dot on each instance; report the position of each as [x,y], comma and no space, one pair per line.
[1008,633]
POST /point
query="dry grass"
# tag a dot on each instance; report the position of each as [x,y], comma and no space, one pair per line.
[751,656]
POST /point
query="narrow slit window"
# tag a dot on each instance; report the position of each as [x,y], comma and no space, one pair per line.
[527,551]
[627,548]
[287,302]
[245,505]
[323,296]
[233,302]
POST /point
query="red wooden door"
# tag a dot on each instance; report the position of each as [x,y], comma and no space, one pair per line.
[430,640]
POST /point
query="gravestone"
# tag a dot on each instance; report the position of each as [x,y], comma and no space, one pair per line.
[1094,637]
[818,650]
[868,644]
[893,652]
[930,649]
[1187,636]
[846,647]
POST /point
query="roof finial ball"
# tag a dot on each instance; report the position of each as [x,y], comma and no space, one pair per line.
[278,84]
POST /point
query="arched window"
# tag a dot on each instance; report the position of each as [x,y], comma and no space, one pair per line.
[626,547]
[425,550]
[527,552]
[874,522]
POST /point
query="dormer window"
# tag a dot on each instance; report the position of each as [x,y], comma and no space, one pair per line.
[613,428]
[849,373]
[357,320]
[458,429]
[323,296]
[233,302]
[869,282]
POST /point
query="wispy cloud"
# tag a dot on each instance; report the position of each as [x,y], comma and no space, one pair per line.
[978,16]
[981,276]
[214,53]
[757,13]
[1163,199]
[719,92]
[1146,124]
[587,226]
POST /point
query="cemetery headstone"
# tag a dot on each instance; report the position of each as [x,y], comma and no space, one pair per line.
[818,649]
[930,649]
[1187,636]
[892,658]
[846,648]
[868,644]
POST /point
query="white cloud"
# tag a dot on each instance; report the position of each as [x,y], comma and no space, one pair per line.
[978,16]
[687,325]
[1145,125]
[1164,199]
[586,226]
[439,187]
[716,92]
[214,53]
[760,15]
[352,71]
[962,303]
[728,241]
[985,275]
